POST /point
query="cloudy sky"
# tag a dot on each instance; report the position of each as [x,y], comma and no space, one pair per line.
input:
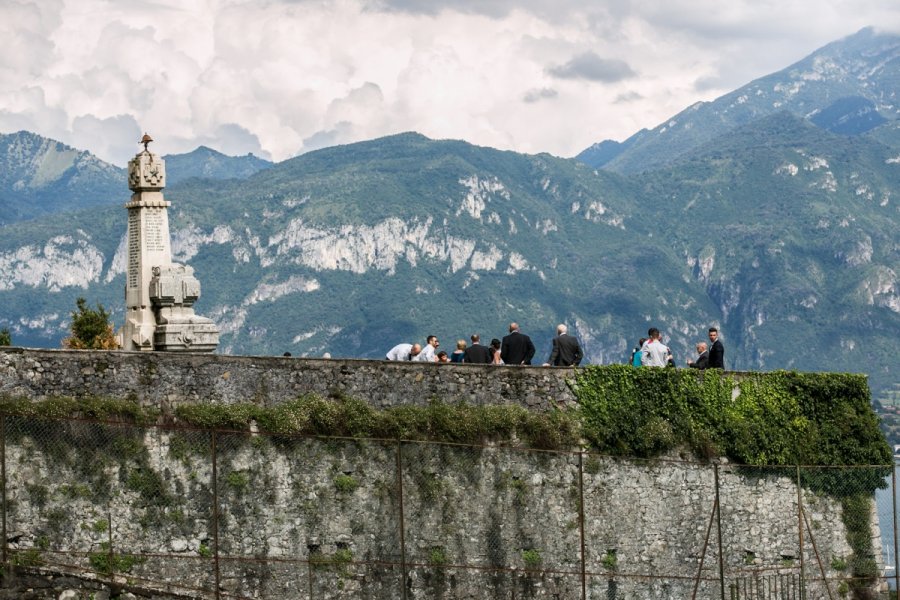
[283,77]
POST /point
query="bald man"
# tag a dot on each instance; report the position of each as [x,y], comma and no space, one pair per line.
[516,348]
[403,352]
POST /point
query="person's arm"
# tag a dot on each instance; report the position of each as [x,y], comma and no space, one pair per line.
[529,351]
[554,354]
[578,354]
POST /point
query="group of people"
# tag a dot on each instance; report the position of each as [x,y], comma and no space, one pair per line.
[651,352]
[514,349]
[518,349]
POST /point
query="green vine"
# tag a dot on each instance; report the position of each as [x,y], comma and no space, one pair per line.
[778,418]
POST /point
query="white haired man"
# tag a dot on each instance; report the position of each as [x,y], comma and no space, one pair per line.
[566,349]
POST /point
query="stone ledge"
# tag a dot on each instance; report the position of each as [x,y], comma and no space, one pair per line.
[168,379]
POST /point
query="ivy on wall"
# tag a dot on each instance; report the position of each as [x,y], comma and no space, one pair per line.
[777,418]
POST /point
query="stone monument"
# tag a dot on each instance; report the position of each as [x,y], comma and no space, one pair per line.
[159,294]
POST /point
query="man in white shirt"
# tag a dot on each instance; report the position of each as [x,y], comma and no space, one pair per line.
[404,352]
[654,353]
[428,353]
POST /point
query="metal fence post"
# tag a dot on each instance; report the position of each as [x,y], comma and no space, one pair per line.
[581,523]
[402,523]
[894,521]
[719,528]
[800,534]
[3,480]
[215,507]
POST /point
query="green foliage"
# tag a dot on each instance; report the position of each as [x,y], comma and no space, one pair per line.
[532,558]
[855,514]
[339,561]
[31,557]
[838,563]
[779,418]
[345,484]
[89,407]
[107,563]
[5,337]
[437,556]
[610,560]
[91,328]
[348,417]
[239,480]
[204,551]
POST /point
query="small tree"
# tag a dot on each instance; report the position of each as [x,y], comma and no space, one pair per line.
[5,338]
[91,329]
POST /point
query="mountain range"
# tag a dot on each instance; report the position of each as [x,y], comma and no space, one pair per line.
[848,87]
[774,217]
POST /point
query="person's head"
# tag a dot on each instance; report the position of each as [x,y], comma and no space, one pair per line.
[460,344]
[641,342]
[653,333]
[442,356]
[432,341]
[495,343]
[286,354]
[513,327]
[414,351]
[475,338]
[713,334]
[561,329]
[701,347]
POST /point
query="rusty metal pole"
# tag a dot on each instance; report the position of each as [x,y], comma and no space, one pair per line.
[719,527]
[402,523]
[800,530]
[894,521]
[3,479]
[581,523]
[215,513]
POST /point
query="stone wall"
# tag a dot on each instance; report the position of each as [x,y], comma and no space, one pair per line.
[184,511]
[168,379]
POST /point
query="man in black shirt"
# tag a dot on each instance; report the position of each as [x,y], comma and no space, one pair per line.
[516,348]
[476,353]
[716,350]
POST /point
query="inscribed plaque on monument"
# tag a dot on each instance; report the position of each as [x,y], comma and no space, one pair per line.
[153,234]
[134,247]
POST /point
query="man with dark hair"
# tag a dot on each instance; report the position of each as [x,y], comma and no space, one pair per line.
[516,348]
[566,349]
[716,350]
[654,353]
[476,353]
[429,350]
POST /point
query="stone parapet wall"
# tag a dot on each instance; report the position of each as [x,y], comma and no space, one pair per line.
[169,379]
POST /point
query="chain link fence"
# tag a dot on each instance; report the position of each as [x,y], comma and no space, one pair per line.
[223,514]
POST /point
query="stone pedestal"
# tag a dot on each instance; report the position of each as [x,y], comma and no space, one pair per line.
[173,291]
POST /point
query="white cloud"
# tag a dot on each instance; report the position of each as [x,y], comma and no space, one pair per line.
[279,77]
